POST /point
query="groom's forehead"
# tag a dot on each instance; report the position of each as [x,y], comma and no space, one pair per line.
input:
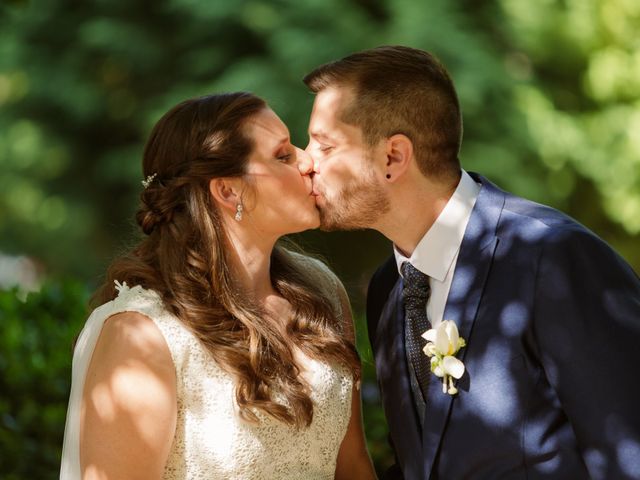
[333,98]
[325,121]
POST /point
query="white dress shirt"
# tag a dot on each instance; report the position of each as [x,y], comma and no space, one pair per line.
[437,253]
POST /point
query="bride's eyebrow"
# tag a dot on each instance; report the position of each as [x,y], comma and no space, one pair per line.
[283,141]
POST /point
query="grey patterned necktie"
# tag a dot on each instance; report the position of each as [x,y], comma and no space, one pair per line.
[415,292]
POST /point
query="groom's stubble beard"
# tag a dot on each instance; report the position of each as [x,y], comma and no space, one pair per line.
[356,206]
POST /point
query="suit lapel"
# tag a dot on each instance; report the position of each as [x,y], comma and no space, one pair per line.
[391,367]
[471,271]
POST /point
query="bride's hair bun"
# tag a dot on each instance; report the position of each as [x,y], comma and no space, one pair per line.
[156,207]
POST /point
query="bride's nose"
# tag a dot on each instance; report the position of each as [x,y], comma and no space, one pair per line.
[305,163]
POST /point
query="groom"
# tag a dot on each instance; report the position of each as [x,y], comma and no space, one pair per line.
[550,313]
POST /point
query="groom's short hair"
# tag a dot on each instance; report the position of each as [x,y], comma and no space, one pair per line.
[400,90]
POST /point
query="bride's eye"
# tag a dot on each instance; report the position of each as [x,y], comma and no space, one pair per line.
[325,148]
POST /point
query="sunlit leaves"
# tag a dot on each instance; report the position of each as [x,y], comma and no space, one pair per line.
[594,135]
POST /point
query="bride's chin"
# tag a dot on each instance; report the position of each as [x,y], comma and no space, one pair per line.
[310,223]
[313,216]
[313,223]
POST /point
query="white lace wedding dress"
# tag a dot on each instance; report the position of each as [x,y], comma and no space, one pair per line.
[211,441]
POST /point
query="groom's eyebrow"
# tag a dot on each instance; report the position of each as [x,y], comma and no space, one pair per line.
[320,135]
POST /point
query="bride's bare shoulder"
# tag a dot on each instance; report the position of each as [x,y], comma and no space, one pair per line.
[129,392]
[135,329]
[131,340]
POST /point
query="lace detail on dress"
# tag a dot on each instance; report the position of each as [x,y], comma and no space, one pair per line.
[211,440]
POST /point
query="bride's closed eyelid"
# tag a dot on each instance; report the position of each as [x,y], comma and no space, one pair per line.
[285,154]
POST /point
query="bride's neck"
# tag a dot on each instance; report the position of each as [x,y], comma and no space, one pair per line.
[250,262]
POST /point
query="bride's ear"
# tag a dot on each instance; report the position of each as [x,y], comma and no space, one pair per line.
[226,193]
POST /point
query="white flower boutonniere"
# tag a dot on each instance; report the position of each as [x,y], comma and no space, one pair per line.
[443,342]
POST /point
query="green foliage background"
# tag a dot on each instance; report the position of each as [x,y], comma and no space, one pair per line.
[550,92]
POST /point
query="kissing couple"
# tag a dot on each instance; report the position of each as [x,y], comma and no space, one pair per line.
[505,334]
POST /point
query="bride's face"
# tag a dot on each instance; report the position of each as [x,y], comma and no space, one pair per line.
[281,200]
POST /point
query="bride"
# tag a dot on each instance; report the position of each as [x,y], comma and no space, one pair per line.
[215,352]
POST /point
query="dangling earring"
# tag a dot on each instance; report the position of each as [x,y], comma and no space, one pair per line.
[238,216]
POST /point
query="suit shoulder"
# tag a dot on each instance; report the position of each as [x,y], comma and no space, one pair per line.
[536,212]
[381,284]
[542,223]
[385,273]
[557,235]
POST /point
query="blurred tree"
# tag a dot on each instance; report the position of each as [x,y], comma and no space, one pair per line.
[581,103]
[550,93]
[36,338]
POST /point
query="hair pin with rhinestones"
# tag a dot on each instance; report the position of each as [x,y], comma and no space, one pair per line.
[147,181]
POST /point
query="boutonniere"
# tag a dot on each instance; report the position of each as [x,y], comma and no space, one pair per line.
[443,342]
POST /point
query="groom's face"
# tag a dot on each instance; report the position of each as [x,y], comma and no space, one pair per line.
[347,181]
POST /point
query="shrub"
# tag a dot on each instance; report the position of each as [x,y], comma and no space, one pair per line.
[36,338]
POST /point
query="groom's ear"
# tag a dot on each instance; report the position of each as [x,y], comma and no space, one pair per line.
[399,150]
[226,192]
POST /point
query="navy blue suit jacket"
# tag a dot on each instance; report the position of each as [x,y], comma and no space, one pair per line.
[551,315]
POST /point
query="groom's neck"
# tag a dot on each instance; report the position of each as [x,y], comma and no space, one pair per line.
[416,203]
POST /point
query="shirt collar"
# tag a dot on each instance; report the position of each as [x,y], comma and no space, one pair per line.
[437,250]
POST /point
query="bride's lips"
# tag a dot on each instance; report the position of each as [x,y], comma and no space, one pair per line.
[314,190]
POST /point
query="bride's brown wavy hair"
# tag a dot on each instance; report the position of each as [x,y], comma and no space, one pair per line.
[183,256]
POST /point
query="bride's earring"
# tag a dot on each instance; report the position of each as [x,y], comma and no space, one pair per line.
[238,216]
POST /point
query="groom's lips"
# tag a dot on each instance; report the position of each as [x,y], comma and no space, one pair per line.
[315,191]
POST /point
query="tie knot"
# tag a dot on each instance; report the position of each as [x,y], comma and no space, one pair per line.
[416,284]
[414,276]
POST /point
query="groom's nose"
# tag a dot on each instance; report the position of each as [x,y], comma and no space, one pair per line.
[314,162]
[305,162]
